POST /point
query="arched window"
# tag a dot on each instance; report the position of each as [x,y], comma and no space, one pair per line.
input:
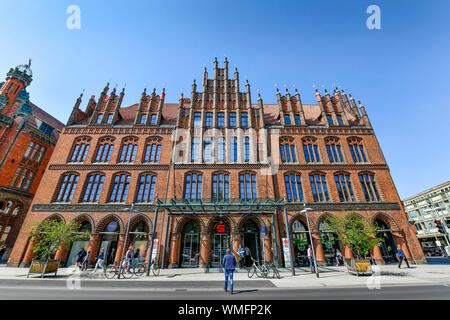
[128,150]
[369,187]
[293,183]
[220,186]
[247,185]
[146,187]
[334,150]
[193,186]
[93,188]
[119,191]
[357,150]
[66,188]
[152,149]
[344,187]
[311,149]
[104,149]
[319,187]
[80,149]
[287,150]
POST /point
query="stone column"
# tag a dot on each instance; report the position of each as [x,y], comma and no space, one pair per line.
[318,248]
[267,247]
[174,250]
[29,255]
[347,252]
[377,256]
[94,242]
[235,243]
[205,249]
[120,246]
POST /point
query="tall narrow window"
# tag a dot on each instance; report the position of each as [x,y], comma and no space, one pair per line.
[152,150]
[99,118]
[287,150]
[22,179]
[233,149]
[344,187]
[80,149]
[287,119]
[153,118]
[93,188]
[41,153]
[357,150]
[104,149]
[109,118]
[339,119]
[334,150]
[209,120]
[297,119]
[369,187]
[119,191]
[330,120]
[311,150]
[146,188]
[207,150]
[247,186]
[193,186]
[319,187]
[66,187]
[246,146]
[220,120]
[244,119]
[197,119]
[220,186]
[128,150]
[220,149]
[294,191]
[232,119]
[143,118]
[29,150]
[195,149]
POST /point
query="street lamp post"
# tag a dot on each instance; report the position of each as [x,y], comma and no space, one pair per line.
[131,210]
[150,253]
[305,211]
[288,234]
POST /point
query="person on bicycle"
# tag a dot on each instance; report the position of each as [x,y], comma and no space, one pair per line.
[229,264]
[129,257]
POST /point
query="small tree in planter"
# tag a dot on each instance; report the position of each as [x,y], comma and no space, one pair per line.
[355,231]
[50,234]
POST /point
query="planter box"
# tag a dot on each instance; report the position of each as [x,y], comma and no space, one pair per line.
[359,266]
[43,267]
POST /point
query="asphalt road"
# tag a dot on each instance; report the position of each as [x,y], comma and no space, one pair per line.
[25,291]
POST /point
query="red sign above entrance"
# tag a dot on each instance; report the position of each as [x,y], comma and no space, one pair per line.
[220,228]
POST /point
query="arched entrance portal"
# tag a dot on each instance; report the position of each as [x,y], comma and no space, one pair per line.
[85,231]
[109,240]
[220,243]
[330,244]
[387,243]
[190,246]
[251,240]
[139,240]
[300,241]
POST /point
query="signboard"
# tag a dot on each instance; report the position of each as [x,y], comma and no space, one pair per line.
[287,258]
[155,248]
[220,228]
[263,229]
[438,243]
[112,226]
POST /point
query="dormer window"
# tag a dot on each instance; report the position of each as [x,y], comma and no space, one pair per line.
[99,118]
[153,119]
[143,118]
[110,117]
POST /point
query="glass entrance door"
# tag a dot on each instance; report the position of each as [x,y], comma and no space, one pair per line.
[189,257]
[220,244]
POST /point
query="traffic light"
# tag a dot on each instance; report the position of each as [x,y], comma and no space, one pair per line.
[439,226]
[447,222]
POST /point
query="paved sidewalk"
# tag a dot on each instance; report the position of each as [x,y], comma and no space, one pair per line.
[329,277]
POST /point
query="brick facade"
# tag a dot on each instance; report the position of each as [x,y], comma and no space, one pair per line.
[191,238]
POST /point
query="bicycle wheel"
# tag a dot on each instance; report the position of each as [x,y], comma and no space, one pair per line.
[275,272]
[139,270]
[111,272]
[260,272]
[251,271]
[156,269]
[127,273]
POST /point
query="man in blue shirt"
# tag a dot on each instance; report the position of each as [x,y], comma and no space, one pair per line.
[401,256]
[229,264]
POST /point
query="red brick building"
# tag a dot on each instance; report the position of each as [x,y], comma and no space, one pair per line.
[219,166]
[28,136]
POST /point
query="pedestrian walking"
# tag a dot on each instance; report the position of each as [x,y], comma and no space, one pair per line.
[229,264]
[129,256]
[247,259]
[100,259]
[401,256]
[2,252]
[339,259]
[80,257]
[86,261]
[310,258]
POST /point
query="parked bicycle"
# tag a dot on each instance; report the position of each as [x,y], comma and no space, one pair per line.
[113,270]
[260,271]
[272,271]
[155,268]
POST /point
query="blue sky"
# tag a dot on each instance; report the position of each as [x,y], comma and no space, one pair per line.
[400,73]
